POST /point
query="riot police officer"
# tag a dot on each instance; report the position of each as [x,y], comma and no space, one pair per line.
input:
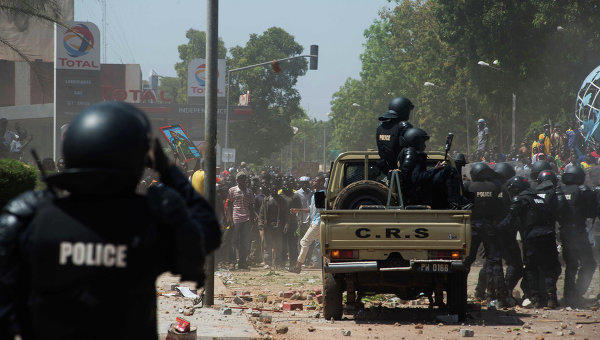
[390,132]
[438,187]
[529,214]
[485,214]
[552,195]
[84,264]
[577,250]
[536,168]
[511,253]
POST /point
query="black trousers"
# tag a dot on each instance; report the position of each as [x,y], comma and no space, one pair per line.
[579,262]
[511,254]
[493,275]
[541,263]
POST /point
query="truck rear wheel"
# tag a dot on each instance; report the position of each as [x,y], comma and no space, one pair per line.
[457,294]
[359,193]
[332,298]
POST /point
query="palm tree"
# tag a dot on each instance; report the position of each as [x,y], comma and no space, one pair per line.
[46,10]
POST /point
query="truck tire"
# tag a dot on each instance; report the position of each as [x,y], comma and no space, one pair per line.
[332,298]
[457,294]
[359,193]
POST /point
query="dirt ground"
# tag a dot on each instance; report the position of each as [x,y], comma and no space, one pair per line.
[261,294]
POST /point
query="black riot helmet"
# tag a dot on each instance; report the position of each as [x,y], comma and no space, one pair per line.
[108,135]
[505,170]
[460,160]
[517,184]
[573,175]
[416,138]
[399,108]
[481,172]
[547,175]
[538,167]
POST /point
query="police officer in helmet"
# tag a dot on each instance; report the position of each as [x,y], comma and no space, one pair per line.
[485,214]
[553,197]
[511,252]
[84,264]
[577,250]
[390,132]
[438,187]
[536,168]
[529,214]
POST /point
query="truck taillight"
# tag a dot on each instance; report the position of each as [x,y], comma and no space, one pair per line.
[343,254]
[444,255]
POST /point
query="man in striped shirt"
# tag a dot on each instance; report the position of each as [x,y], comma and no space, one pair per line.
[241,215]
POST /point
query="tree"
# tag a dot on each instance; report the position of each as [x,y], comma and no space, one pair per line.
[274,98]
[170,86]
[195,48]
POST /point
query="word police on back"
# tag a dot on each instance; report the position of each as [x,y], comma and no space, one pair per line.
[92,254]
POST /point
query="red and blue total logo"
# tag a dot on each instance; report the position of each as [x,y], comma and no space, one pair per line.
[78,40]
[200,75]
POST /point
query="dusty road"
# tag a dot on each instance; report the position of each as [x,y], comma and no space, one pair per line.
[257,313]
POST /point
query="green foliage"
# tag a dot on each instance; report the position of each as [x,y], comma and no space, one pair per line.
[195,48]
[15,178]
[170,86]
[273,96]
[441,41]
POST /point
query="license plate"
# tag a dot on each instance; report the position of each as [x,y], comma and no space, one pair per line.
[430,267]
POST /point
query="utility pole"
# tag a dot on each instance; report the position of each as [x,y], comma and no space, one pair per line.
[210,131]
[514,108]
[467,125]
[324,145]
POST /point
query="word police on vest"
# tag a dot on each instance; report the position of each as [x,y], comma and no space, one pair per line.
[92,254]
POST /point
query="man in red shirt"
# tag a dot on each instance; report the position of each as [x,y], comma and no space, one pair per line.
[241,214]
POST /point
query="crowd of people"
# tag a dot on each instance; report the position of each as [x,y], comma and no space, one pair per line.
[265,215]
[556,144]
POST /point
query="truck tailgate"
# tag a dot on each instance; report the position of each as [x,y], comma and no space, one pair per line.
[396,229]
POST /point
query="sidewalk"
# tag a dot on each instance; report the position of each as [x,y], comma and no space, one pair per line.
[210,323]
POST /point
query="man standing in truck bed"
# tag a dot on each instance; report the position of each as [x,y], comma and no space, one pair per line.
[390,132]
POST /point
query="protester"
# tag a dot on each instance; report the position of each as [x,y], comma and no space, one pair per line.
[241,215]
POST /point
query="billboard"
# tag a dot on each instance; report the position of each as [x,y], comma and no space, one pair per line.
[76,74]
[180,142]
[78,46]
[197,78]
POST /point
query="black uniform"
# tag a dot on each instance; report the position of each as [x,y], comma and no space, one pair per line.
[530,215]
[84,264]
[390,142]
[485,214]
[422,186]
[72,267]
[577,250]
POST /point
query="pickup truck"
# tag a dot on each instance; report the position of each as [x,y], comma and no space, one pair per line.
[372,246]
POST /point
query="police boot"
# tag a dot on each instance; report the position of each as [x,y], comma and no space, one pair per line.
[552,300]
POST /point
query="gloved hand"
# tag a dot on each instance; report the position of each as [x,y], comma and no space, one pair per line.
[158,160]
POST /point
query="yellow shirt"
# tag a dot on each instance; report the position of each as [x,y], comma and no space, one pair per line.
[198,181]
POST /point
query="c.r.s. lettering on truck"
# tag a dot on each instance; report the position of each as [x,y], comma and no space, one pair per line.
[392,233]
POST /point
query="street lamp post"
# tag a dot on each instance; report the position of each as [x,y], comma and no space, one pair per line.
[514,100]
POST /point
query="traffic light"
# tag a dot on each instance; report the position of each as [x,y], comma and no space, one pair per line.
[275,66]
[314,61]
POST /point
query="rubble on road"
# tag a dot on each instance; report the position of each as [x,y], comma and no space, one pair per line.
[226,311]
[346,332]
[281,329]
[467,333]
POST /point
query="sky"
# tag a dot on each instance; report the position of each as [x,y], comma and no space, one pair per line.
[148,32]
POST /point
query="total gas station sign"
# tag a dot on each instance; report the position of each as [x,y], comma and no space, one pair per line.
[77,46]
[197,78]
